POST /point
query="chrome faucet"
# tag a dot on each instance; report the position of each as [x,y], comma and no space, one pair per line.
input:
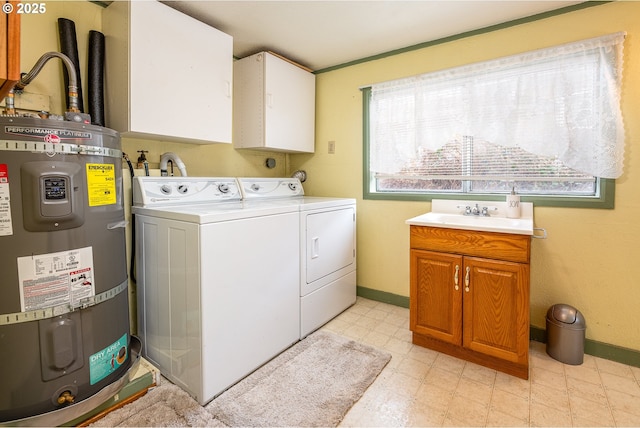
[476,210]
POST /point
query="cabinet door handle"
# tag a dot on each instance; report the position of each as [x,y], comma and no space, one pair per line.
[455,278]
[466,279]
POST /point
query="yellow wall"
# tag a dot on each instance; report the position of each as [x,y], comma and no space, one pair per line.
[591,258]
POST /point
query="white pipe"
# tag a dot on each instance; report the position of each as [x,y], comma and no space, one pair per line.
[164,160]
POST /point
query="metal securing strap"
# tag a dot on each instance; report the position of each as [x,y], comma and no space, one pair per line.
[55,148]
[54,311]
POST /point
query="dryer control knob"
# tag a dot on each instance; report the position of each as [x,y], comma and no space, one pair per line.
[166,189]
[293,186]
[223,188]
[183,188]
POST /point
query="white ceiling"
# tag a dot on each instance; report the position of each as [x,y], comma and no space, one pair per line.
[322,34]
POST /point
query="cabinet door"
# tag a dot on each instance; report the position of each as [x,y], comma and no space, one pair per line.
[289,106]
[168,75]
[435,295]
[181,73]
[496,308]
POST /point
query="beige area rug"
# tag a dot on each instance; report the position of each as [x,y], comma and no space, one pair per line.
[313,383]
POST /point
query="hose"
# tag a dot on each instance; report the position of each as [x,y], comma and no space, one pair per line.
[73,80]
[164,160]
[132,264]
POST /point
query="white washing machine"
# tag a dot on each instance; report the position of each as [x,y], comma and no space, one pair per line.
[327,247]
[217,280]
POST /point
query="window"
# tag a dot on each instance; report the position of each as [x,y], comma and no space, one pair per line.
[546,122]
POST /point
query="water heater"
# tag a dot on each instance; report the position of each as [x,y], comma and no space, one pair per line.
[64,320]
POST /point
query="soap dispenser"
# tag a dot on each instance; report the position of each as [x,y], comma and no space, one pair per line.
[513,204]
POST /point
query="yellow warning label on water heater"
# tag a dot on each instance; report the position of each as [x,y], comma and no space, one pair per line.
[101,184]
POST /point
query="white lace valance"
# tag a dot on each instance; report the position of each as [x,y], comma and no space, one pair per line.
[562,101]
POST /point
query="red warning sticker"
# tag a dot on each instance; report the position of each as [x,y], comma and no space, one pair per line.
[6,226]
[4,173]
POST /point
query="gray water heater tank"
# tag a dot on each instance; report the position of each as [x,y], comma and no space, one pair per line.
[64,312]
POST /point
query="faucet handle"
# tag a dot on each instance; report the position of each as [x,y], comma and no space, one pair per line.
[466,208]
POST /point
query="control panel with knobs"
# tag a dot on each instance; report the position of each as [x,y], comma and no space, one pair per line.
[159,191]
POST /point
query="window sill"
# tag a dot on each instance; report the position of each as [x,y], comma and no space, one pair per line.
[604,201]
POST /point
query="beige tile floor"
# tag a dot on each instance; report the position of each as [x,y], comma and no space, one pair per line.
[420,387]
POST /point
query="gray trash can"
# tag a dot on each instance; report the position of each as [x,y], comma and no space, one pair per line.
[565,334]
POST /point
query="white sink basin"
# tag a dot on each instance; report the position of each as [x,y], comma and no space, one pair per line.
[449,214]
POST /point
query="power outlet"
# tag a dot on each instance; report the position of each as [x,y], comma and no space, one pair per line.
[331,147]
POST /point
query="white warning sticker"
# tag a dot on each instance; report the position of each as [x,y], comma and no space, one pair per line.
[55,279]
[6,225]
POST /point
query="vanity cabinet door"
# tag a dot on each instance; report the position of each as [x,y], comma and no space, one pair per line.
[496,308]
[435,295]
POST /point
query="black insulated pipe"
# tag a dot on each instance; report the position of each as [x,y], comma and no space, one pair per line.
[69,47]
[95,77]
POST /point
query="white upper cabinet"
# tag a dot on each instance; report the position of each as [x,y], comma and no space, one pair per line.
[274,104]
[168,76]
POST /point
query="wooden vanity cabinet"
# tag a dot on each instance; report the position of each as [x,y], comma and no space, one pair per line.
[469,296]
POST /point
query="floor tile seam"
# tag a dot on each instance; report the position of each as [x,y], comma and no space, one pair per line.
[613,406]
[571,406]
[626,378]
[423,382]
[586,396]
[607,395]
[494,408]
[635,394]
[443,409]
[615,420]
[472,399]
[452,393]
[572,376]
[486,417]
[609,410]
[531,400]
[490,384]
[426,368]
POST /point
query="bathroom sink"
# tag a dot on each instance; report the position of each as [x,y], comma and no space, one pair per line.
[450,214]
